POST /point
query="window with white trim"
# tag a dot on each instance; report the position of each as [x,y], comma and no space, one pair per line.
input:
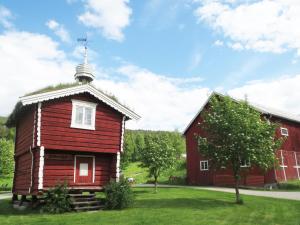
[83,114]
[245,163]
[284,131]
[204,165]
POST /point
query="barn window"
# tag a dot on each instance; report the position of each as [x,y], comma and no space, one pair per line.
[204,165]
[284,131]
[245,163]
[83,114]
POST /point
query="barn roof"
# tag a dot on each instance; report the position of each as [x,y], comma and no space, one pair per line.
[262,109]
[63,90]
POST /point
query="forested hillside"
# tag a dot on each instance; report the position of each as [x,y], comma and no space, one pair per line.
[135,142]
[6,155]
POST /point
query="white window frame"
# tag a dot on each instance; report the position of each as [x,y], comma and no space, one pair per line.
[83,104]
[203,168]
[246,163]
[284,131]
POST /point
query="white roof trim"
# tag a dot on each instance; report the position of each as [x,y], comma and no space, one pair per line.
[200,110]
[259,108]
[31,99]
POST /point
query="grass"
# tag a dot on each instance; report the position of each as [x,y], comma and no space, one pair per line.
[140,174]
[171,206]
[6,183]
[290,185]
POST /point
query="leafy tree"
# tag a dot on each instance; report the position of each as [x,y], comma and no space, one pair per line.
[235,133]
[129,149]
[6,157]
[158,155]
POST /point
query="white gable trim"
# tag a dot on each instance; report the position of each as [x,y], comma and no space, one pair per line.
[197,114]
[27,100]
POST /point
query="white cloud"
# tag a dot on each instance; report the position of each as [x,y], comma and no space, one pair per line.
[5,17]
[263,26]
[110,17]
[218,43]
[59,30]
[163,102]
[281,93]
[29,61]
[195,60]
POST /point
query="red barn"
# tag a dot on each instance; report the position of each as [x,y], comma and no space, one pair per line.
[200,173]
[71,133]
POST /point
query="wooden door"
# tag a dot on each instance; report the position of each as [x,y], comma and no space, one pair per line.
[84,169]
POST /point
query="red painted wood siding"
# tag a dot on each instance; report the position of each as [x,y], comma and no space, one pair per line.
[25,132]
[254,177]
[56,132]
[23,158]
[59,167]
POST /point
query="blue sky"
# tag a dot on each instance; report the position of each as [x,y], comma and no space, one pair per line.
[157,55]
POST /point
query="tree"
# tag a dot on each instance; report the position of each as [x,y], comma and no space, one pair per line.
[158,155]
[234,133]
[6,157]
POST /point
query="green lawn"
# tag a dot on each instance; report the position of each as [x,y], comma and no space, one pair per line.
[172,206]
[290,186]
[141,174]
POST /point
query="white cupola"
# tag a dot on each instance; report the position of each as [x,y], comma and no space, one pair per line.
[84,72]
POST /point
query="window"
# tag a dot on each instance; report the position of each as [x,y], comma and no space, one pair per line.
[284,131]
[204,165]
[245,163]
[83,114]
[83,169]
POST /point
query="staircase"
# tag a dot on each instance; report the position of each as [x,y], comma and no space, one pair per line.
[85,202]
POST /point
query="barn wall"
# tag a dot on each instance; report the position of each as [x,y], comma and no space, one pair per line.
[56,132]
[59,167]
[253,177]
[194,175]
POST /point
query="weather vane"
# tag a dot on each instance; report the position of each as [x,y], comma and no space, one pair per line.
[84,41]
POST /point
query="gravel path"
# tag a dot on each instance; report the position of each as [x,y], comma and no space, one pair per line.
[5,195]
[272,194]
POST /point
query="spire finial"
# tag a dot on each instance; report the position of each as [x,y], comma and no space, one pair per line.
[84,71]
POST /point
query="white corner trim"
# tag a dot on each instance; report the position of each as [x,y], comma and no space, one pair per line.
[94,165]
[282,165]
[122,134]
[85,104]
[34,126]
[31,170]
[41,168]
[27,100]
[39,124]
[118,167]
[297,166]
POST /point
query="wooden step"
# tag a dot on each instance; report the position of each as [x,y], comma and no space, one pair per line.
[89,208]
[82,195]
[86,203]
[77,199]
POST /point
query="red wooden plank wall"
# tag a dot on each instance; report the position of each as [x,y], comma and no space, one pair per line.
[24,135]
[56,132]
[59,167]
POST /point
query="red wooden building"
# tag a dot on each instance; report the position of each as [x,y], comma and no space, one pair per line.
[198,167]
[70,133]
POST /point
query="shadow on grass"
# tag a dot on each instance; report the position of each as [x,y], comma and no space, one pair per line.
[6,208]
[199,203]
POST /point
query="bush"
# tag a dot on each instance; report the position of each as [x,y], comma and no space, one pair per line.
[57,200]
[118,195]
